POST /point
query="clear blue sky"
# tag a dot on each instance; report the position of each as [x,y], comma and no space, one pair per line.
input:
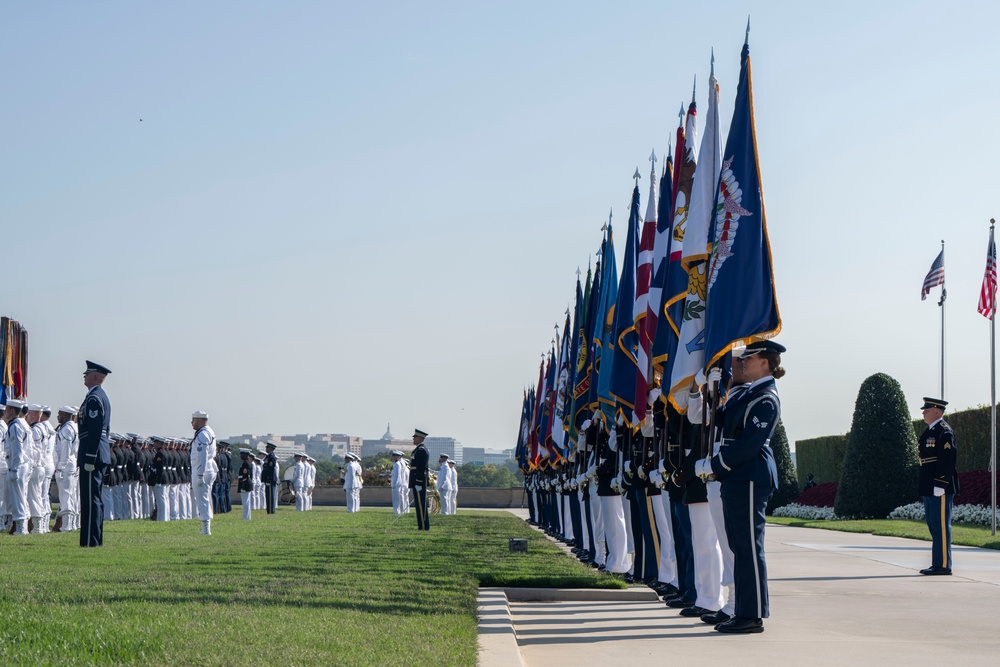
[334,215]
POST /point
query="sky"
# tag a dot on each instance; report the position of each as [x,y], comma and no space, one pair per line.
[323,217]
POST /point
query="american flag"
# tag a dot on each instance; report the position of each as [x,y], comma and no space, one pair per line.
[988,293]
[935,276]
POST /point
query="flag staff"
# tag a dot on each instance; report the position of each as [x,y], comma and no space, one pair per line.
[993,401]
[944,295]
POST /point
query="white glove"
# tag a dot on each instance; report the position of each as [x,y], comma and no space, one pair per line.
[89,467]
[656,478]
[582,440]
[654,394]
[662,468]
[418,488]
[621,419]
[703,467]
[586,424]
[699,377]
[628,467]
[938,491]
[613,440]
[592,472]
[714,377]
[648,428]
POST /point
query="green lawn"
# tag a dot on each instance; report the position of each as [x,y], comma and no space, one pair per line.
[964,534]
[296,588]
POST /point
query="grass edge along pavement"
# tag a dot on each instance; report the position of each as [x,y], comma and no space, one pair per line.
[961,534]
[306,588]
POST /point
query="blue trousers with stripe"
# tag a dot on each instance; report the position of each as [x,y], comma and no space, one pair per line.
[743,507]
[91,508]
[937,512]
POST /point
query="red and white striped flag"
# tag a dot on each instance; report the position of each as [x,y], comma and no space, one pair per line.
[988,293]
[935,276]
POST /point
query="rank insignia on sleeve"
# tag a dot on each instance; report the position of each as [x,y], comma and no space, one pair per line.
[947,445]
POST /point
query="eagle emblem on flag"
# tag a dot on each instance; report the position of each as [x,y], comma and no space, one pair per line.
[727,217]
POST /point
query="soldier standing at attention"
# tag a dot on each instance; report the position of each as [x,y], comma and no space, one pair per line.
[244,482]
[938,483]
[419,478]
[269,478]
[745,467]
[203,468]
[95,454]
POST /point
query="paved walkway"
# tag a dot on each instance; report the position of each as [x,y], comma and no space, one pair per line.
[836,598]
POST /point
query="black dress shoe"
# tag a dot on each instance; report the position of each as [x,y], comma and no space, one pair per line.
[679,603]
[715,618]
[936,570]
[695,612]
[741,626]
[666,590]
[628,578]
[602,568]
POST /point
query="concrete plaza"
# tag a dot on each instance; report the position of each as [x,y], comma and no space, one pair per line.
[836,598]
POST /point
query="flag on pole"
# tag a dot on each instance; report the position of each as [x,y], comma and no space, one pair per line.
[560,402]
[988,292]
[643,315]
[534,456]
[742,304]
[604,359]
[578,359]
[676,277]
[934,277]
[626,340]
[689,356]
[660,333]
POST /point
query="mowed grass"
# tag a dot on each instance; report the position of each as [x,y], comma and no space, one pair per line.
[296,588]
[961,533]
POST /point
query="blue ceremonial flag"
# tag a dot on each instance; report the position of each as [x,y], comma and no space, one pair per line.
[626,339]
[742,303]
[604,333]
[563,384]
[578,358]
[523,434]
[595,319]
[662,332]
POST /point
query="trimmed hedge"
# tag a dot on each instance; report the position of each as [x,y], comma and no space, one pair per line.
[823,457]
[880,465]
[788,487]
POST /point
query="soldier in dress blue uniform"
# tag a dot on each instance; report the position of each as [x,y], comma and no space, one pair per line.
[95,454]
[745,466]
[938,483]
[419,478]
[269,477]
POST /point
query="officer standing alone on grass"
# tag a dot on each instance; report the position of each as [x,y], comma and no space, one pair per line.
[938,483]
[419,478]
[95,454]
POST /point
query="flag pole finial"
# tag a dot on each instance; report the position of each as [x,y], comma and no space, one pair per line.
[637,176]
[694,89]
[746,41]
[652,157]
[578,272]
[712,70]
[680,115]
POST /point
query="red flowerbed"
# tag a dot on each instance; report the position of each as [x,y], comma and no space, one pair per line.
[821,495]
[974,488]
[974,485]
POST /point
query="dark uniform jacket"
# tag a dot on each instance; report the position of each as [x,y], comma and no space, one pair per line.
[267,474]
[748,420]
[418,474]
[157,471]
[938,452]
[245,481]
[95,426]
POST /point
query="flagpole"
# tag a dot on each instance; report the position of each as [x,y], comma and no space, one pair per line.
[944,295]
[993,403]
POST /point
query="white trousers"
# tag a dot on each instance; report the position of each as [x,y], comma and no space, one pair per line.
[353,499]
[36,501]
[627,511]
[50,470]
[668,555]
[584,540]
[453,500]
[707,557]
[202,489]
[300,499]
[444,498]
[613,512]
[567,518]
[161,498]
[108,498]
[245,502]
[175,501]
[68,486]
[597,518]
[718,517]
[404,492]
[398,499]
[309,498]
[17,494]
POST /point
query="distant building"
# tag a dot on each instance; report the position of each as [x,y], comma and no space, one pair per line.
[438,445]
[493,458]
[386,443]
[474,455]
[322,446]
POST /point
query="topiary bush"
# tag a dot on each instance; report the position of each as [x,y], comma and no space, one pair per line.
[788,486]
[880,464]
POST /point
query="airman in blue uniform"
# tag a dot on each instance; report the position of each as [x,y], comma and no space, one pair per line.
[95,454]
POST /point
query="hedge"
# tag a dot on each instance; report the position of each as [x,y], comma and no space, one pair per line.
[823,457]
[788,488]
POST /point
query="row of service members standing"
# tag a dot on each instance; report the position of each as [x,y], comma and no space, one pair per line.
[666,507]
